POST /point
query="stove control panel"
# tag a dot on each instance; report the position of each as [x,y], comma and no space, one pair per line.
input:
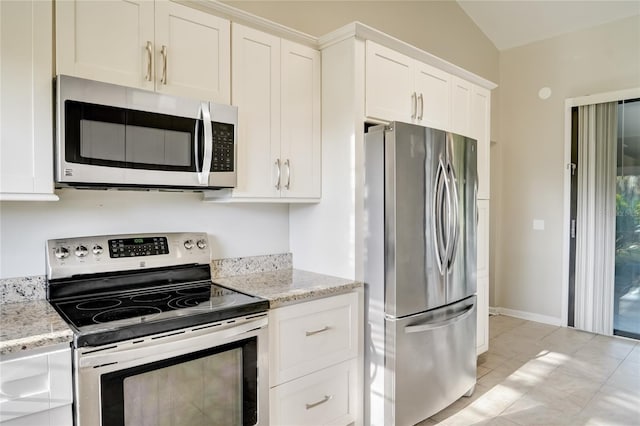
[67,257]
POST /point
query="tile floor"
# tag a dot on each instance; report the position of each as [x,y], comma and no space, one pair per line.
[537,374]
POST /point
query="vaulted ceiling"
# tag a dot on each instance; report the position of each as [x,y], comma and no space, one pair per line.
[518,22]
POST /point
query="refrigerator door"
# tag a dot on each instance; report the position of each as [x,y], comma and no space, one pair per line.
[430,362]
[463,187]
[414,159]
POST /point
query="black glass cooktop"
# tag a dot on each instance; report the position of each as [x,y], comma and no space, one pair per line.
[121,315]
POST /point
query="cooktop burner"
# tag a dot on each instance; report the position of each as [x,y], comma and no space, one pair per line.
[156,283]
[156,309]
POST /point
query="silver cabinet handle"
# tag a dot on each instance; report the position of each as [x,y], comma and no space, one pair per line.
[414,105]
[277,163]
[322,330]
[287,186]
[164,54]
[322,401]
[149,48]
[421,99]
[208,144]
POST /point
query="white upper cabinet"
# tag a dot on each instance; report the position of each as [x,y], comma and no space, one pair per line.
[159,45]
[401,88]
[276,87]
[256,93]
[300,147]
[26,148]
[389,92]
[196,58]
[106,41]
[432,91]
[461,106]
[481,131]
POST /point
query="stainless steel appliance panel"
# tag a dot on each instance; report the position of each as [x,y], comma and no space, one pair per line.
[117,144]
[414,282]
[463,175]
[430,361]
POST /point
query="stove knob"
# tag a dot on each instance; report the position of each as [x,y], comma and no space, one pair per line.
[61,252]
[188,244]
[81,251]
[97,249]
[202,244]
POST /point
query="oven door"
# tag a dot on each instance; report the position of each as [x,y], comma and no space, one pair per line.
[215,374]
[110,135]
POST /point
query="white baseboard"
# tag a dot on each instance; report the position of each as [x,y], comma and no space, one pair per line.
[530,316]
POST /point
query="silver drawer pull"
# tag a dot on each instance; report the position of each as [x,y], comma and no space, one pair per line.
[322,401]
[323,329]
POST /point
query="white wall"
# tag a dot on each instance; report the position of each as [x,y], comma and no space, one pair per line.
[531,143]
[235,230]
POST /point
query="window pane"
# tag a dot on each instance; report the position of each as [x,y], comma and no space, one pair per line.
[627,278]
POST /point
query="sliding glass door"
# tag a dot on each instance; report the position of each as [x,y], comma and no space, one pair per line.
[626,321]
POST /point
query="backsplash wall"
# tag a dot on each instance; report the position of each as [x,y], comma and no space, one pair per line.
[235,230]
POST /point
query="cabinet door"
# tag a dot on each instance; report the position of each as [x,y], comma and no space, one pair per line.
[256,92]
[300,121]
[483,276]
[106,41]
[481,131]
[26,148]
[482,332]
[389,91]
[433,88]
[192,53]
[460,106]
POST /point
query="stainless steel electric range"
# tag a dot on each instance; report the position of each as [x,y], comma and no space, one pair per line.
[155,341]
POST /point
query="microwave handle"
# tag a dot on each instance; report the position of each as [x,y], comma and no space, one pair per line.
[203,176]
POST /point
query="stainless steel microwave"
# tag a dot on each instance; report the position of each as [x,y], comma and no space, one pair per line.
[114,136]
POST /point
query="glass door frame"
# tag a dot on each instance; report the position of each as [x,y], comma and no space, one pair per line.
[568,132]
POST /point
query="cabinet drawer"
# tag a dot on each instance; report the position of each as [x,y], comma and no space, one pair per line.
[326,397]
[312,335]
[34,383]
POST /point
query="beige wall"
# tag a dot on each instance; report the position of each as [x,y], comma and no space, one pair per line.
[438,27]
[529,263]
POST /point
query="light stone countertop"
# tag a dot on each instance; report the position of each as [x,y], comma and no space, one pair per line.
[34,323]
[289,286]
[29,325]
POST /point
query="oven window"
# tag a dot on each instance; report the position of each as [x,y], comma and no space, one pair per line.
[216,386]
[117,137]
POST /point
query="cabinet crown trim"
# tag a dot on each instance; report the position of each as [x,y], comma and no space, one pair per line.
[362,31]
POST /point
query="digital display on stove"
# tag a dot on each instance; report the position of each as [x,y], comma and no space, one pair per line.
[132,247]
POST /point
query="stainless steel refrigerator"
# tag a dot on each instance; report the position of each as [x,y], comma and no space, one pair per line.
[420,271]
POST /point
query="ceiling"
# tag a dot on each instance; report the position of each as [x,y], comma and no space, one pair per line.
[515,23]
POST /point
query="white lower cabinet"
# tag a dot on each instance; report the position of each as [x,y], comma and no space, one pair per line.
[482,339]
[36,389]
[315,362]
[326,397]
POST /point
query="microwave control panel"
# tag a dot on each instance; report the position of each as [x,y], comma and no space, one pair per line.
[223,147]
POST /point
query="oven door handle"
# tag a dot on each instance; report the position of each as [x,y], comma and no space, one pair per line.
[174,346]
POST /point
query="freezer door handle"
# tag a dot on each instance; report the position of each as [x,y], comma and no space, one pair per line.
[428,326]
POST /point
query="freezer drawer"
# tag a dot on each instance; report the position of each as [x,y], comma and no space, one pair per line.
[430,361]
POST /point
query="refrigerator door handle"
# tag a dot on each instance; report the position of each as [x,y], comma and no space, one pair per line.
[429,326]
[438,226]
[454,222]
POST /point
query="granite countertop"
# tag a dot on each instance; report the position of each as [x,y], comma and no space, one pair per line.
[34,323]
[29,325]
[288,286]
